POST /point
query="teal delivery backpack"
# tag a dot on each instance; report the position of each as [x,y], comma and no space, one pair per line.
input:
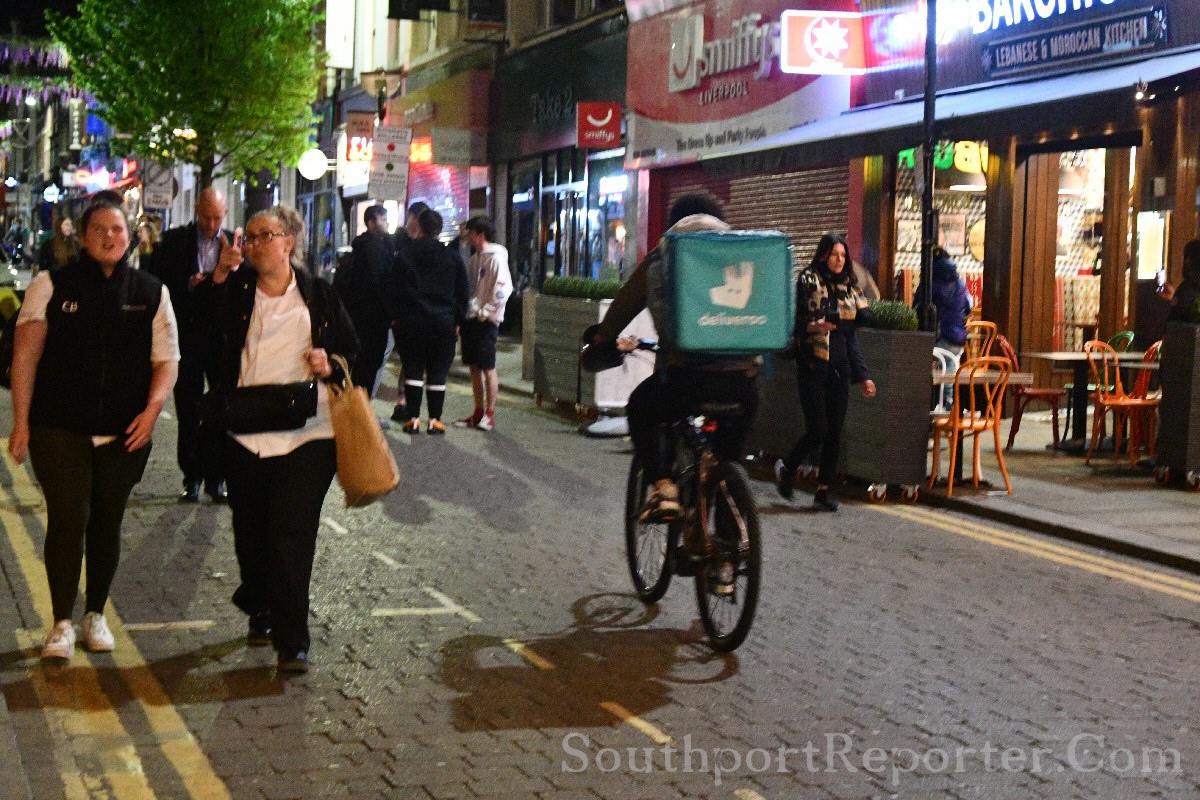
[730,293]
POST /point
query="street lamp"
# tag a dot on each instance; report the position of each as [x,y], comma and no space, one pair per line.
[382,83]
[925,309]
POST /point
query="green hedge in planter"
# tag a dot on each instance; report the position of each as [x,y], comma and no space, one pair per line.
[892,315]
[584,288]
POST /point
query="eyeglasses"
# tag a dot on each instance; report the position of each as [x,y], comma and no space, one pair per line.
[252,238]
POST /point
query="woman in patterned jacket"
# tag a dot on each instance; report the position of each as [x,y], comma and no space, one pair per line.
[829,305]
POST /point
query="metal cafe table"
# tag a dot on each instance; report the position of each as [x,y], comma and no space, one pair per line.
[1078,360]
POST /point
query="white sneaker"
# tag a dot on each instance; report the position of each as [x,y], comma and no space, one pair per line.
[487,422]
[96,636]
[60,642]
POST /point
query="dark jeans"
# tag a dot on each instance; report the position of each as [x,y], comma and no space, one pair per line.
[372,332]
[426,351]
[276,504]
[199,448]
[86,490]
[824,394]
[677,393]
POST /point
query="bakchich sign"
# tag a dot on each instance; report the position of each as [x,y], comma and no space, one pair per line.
[1122,33]
[713,77]
[1008,15]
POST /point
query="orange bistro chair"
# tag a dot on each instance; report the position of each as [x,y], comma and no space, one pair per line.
[977,404]
[1110,396]
[1024,395]
[980,336]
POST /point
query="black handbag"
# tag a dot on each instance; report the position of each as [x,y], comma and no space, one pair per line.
[263,408]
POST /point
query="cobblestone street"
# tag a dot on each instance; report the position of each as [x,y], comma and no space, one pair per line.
[475,635]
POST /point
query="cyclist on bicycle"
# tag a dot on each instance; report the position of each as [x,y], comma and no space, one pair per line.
[682,382]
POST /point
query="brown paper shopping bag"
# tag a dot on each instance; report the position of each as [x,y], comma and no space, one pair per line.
[366,468]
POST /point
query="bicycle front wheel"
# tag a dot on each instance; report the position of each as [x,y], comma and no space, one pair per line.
[649,547]
[727,586]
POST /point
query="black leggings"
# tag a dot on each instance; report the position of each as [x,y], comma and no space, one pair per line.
[86,489]
[276,504]
[675,394]
[824,394]
[426,351]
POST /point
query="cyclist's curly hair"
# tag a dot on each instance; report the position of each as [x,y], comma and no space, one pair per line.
[695,203]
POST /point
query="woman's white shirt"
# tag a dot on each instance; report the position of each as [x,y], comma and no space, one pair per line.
[280,334]
[164,341]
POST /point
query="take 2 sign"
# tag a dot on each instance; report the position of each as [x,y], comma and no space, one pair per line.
[597,126]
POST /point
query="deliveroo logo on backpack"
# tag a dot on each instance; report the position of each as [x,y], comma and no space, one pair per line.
[734,293]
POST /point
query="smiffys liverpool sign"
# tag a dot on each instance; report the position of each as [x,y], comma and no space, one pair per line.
[597,126]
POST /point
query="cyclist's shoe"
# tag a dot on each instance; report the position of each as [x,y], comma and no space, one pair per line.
[785,480]
[723,578]
[823,500]
[412,426]
[662,505]
[436,428]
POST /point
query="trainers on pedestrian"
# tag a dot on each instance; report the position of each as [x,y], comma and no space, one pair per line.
[785,480]
[662,505]
[471,421]
[97,638]
[436,428]
[60,642]
[486,422]
[412,426]
[400,413]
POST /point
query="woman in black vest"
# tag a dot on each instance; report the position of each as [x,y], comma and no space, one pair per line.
[279,326]
[95,358]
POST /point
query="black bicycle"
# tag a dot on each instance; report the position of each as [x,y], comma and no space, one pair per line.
[715,540]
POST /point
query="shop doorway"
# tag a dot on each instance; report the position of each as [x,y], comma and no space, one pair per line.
[564,208]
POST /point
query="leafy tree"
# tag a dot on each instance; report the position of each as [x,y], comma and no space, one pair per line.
[224,84]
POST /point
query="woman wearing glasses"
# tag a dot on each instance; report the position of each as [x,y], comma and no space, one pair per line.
[280,328]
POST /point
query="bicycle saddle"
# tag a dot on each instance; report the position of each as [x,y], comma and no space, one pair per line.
[719,410]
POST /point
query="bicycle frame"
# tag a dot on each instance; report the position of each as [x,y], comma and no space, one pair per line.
[694,433]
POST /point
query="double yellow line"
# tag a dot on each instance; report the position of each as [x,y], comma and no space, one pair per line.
[1164,583]
[93,752]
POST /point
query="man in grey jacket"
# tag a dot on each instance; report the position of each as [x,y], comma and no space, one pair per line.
[490,286]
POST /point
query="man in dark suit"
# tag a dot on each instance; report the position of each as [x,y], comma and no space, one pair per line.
[184,257]
[366,286]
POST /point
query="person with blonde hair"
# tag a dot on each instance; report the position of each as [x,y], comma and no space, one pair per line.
[280,328]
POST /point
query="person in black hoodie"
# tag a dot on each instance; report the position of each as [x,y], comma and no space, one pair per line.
[95,358]
[829,305]
[431,304]
[1186,295]
[278,326]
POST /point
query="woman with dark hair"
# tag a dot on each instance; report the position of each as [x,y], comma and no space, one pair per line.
[61,247]
[279,329]
[95,358]
[432,303]
[829,305]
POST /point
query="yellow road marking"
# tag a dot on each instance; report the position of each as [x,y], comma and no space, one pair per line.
[636,722]
[748,794]
[524,652]
[1147,579]
[87,718]
[180,625]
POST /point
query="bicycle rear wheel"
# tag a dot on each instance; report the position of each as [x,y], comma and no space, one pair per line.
[727,586]
[649,547]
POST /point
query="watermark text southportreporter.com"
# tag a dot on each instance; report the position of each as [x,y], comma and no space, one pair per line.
[837,752]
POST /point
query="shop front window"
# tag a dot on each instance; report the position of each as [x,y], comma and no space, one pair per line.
[607,186]
[959,197]
[1077,262]
[524,237]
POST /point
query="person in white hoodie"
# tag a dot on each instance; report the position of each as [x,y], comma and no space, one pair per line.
[490,286]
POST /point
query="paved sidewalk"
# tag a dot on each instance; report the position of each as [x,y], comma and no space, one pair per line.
[1107,504]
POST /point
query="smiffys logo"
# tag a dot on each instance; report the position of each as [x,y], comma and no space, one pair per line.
[692,59]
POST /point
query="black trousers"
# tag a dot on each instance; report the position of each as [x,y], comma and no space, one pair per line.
[426,350]
[372,332]
[677,393]
[824,394]
[276,504]
[199,448]
[86,490]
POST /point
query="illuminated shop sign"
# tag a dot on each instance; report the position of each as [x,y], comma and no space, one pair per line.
[1125,32]
[991,15]
[968,157]
[822,43]
[751,43]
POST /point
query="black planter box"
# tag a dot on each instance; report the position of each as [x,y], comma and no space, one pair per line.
[1179,409]
[887,437]
[559,322]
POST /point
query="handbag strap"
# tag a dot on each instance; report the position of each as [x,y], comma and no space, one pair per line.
[346,384]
